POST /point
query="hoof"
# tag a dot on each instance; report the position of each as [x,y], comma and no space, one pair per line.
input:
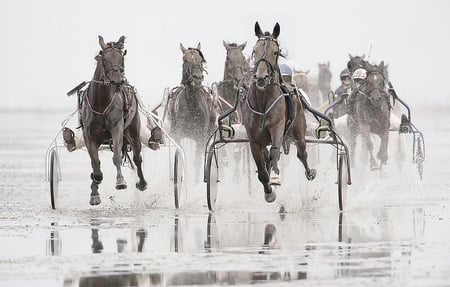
[374,166]
[95,200]
[311,174]
[141,186]
[121,184]
[270,197]
[275,180]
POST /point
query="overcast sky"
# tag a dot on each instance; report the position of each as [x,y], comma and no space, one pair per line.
[48,46]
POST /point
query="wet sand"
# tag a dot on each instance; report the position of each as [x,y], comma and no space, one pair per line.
[395,230]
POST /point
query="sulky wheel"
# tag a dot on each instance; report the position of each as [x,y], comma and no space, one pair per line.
[212,182]
[342,181]
[54,178]
[178,177]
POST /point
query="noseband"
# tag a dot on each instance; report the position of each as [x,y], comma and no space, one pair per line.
[272,71]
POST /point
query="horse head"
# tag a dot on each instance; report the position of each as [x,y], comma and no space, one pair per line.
[193,69]
[265,56]
[356,62]
[236,66]
[374,86]
[111,60]
[301,79]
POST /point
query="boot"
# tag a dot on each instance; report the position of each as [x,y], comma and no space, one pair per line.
[155,139]
[69,139]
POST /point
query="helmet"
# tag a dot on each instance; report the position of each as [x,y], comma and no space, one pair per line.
[345,73]
[360,74]
[286,72]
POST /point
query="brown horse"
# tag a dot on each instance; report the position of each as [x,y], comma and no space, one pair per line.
[265,117]
[109,111]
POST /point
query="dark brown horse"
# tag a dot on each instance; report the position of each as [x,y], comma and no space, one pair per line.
[265,117]
[370,113]
[109,111]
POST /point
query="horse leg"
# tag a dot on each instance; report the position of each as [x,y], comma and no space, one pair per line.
[261,157]
[117,138]
[133,132]
[299,132]
[383,152]
[137,159]
[274,155]
[96,175]
[369,146]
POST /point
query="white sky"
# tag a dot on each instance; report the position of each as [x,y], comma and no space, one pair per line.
[48,46]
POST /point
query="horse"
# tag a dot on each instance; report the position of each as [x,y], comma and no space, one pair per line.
[324,81]
[370,113]
[109,112]
[236,72]
[301,80]
[267,118]
[192,112]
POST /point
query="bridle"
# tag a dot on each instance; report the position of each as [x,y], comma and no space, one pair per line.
[188,67]
[111,68]
[268,79]
[365,90]
[106,81]
[235,68]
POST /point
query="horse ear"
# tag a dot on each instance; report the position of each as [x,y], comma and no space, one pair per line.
[276,31]
[363,56]
[328,64]
[258,32]
[102,42]
[199,47]
[350,56]
[242,46]
[183,49]
[307,72]
[381,66]
[225,44]
[121,42]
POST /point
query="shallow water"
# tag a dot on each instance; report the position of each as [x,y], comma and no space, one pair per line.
[395,230]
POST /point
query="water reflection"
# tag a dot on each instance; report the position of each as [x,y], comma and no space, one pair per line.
[248,249]
[53,243]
